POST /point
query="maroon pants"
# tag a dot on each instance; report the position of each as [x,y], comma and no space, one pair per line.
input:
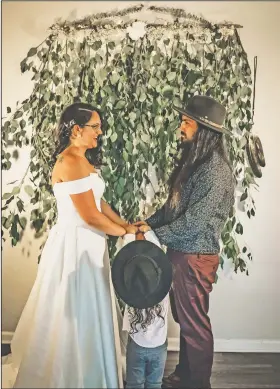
[193,276]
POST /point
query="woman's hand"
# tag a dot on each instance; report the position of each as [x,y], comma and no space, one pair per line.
[131,229]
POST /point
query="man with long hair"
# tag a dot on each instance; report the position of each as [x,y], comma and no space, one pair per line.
[190,224]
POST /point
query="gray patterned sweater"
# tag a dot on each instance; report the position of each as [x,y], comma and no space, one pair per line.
[204,206]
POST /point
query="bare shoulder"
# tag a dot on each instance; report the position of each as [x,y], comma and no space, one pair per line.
[67,168]
[66,160]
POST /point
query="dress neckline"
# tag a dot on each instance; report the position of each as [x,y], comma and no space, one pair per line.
[79,179]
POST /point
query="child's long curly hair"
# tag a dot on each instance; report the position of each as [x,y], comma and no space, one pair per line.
[144,317]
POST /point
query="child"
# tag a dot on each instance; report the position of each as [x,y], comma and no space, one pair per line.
[147,340]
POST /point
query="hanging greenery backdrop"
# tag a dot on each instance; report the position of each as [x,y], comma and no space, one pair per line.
[131,72]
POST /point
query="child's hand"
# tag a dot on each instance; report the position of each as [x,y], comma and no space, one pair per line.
[144,228]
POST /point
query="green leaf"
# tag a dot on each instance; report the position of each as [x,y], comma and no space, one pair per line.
[29,190]
[119,190]
[26,107]
[32,52]
[47,205]
[168,91]
[239,228]
[6,125]
[229,226]
[142,97]
[232,212]
[103,74]
[158,121]
[121,182]
[157,59]
[125,156]
[20,205]
[126,196]
[244,196]
[6,196]
[153,82]
[16,190]
[18,114]
[114,78]
[47,96]
[129,146]
[8,222]
[120,104]
[132,116]
[97,45]
[23,66]
[146,138]
[9,110]
[114,137]
[22,124]
[111,45]
[171,76]
[23,222]
[127,49]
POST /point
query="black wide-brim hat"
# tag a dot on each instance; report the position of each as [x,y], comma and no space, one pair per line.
[207,111]
[141,274]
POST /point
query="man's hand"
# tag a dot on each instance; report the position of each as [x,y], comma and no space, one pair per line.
[131,229]
[140,223]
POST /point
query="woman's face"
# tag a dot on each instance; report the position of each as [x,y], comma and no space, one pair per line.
[188,129]
[90,131]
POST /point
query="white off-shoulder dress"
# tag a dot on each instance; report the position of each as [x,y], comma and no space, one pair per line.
[68,335]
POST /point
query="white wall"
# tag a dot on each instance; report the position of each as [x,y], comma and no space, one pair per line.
[243,309]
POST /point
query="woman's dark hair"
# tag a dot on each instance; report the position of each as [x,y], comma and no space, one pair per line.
[144,317]
[77,113]
[194,153]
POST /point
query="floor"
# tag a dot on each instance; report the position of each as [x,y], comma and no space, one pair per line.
[232,370]
[240,370]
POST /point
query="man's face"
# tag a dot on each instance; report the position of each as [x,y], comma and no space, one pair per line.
[188,129]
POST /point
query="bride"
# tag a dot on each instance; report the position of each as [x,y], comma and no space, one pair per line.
[68,335]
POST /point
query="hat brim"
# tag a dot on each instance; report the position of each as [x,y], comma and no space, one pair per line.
[185,112]
[162,261]
[253,159]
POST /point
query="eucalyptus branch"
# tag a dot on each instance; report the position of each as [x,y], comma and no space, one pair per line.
[128,69]
[104,19]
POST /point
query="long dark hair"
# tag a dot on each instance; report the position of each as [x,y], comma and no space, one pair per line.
[193,154]
[77,113]
[144,317]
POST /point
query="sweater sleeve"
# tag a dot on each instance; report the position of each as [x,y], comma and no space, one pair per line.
[157,219]
[212,190]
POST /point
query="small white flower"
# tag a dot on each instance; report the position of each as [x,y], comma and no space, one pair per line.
[136,30]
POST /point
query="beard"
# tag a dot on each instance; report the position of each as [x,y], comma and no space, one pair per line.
[184,149]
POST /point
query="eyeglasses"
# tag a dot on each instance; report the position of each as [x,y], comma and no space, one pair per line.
[94,126]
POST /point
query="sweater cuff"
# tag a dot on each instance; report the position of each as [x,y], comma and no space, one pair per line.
[150,222]
[163,234]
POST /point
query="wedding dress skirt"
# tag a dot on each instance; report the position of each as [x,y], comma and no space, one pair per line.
[69,333]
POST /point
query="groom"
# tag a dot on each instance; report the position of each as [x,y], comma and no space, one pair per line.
[201,194]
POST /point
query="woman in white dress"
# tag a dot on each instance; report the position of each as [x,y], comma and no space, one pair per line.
[68,334]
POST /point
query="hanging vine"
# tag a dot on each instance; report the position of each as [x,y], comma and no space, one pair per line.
[98,60]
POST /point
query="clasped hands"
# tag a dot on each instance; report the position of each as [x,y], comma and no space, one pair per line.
[139,226]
